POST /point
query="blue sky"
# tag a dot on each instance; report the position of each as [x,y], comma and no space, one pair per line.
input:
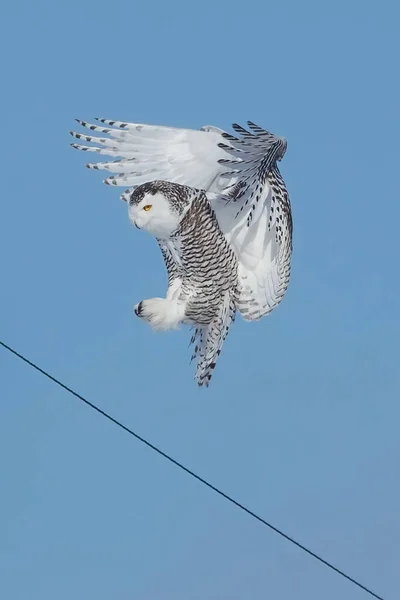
[301,422]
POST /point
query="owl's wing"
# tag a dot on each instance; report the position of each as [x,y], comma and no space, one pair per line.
[255,215]
[149,152]
[171,265]
[208,340]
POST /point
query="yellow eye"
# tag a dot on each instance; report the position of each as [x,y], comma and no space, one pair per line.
[147,207]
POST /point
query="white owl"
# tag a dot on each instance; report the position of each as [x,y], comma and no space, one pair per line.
[225,230]
[201,264]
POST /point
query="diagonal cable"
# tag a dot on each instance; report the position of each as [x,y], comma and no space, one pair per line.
[192,473]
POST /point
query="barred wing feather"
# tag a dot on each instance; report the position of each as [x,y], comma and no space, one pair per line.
[258,220]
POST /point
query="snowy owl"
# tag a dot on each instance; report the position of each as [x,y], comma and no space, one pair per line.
[227,193]
[202,267]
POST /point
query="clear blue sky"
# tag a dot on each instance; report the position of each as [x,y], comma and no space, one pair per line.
[301,422]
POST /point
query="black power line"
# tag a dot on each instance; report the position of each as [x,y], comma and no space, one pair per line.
[192,473]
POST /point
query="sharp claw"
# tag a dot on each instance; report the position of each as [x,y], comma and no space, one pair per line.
[138,309]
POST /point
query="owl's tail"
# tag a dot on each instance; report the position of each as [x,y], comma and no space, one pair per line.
[209,340]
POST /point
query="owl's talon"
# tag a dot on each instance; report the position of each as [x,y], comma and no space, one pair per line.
[160,313]
[138,309]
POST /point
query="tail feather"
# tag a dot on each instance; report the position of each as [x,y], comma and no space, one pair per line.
[209,340]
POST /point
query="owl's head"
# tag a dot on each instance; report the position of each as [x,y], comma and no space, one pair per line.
[157,207]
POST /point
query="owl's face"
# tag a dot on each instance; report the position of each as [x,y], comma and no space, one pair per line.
[157,208]
[155,215]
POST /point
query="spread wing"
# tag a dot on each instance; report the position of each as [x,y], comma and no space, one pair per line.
[208,340]
[255,215]
[150,152]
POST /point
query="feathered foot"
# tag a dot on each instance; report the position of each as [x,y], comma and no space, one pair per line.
[162,314]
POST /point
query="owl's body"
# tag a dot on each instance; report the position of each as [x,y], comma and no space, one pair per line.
[227,247]
[202,267]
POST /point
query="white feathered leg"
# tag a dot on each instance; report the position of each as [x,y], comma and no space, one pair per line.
[161,313]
